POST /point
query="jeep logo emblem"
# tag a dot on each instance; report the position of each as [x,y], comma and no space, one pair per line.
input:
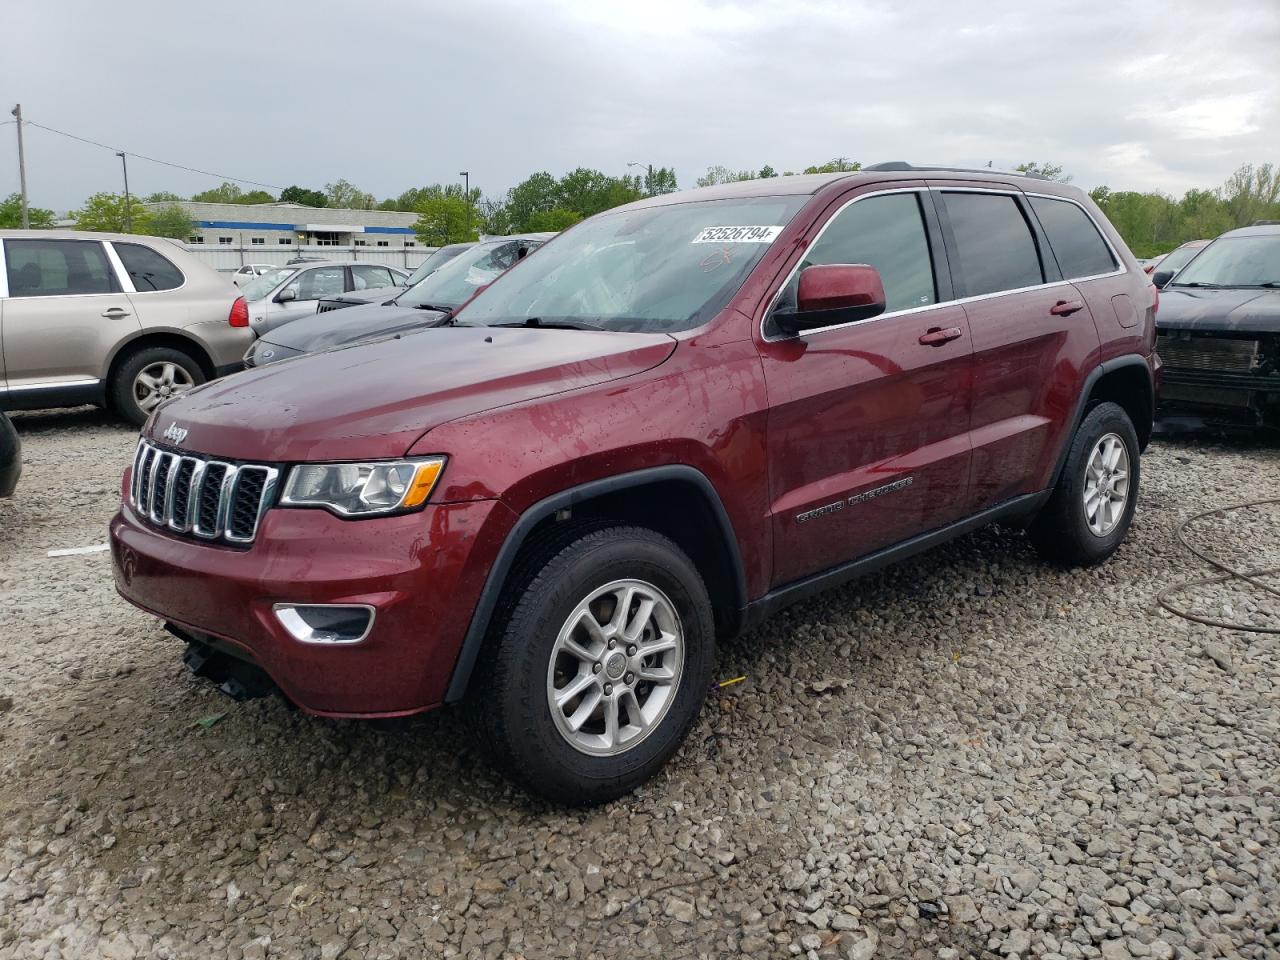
[175,433]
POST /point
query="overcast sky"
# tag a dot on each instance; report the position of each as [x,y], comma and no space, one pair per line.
[393,94]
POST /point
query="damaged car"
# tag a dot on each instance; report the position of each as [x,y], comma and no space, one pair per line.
[1219,331]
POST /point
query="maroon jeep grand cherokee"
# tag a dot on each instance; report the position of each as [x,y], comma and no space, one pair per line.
[672,420]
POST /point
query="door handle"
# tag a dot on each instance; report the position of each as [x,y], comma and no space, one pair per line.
[1065,308]
[115,313]
[937,336]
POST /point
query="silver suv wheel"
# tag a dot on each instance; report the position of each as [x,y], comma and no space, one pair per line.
[1106,485]
[158,382]
[615,667]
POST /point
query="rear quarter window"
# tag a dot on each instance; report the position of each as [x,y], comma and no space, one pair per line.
[1076,242]
[148,269]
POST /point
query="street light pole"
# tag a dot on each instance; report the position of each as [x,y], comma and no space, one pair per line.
[22,168]
[128,206]
[648,183]
[466,180]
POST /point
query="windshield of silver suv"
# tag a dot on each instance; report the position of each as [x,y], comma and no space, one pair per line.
[457,281]
[653,269]
[1235,262]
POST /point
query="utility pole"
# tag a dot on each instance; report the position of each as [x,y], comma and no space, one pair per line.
[648,182]
[466,181]
[22,168]
[128,206]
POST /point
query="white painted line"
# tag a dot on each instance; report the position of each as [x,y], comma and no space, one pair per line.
[76,551]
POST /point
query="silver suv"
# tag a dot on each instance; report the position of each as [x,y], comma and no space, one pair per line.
[118,320]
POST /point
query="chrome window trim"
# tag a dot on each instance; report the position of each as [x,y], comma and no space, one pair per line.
[122,275]
[4,273]
[1009,192]
[4,277]
[1111,248]
[124,272]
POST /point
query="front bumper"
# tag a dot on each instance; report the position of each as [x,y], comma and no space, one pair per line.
[422,572]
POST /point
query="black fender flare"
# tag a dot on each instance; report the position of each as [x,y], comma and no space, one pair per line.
[473,641]
[1086,390]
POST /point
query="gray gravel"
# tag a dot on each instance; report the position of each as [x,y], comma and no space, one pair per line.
[969,755]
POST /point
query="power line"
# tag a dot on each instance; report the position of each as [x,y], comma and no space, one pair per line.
[166,163]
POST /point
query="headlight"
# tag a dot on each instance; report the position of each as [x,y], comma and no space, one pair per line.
[363,489]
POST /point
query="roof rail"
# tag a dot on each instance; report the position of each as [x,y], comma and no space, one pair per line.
[902,165]
[1265,223]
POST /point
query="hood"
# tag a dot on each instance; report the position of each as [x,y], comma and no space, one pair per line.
[370,295]
[1240,310]
[375,399]
[337,327]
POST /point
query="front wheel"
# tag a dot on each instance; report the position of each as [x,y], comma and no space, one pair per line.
[1091,507]
[600,668]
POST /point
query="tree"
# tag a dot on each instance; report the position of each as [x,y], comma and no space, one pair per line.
[722,174]
[658,181]
[170,220]
[344,195]
[106,212]
[1050,171]
[1251,193]
[836,165]
[308,198]
[553,220]
[163,196]
[226,193]
[537,192]
[766,172]
[11,214]
[495,218]
[443,220]
[257,196]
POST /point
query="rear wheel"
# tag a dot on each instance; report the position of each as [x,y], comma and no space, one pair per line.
[151,376]
[1089,512]
[600,668]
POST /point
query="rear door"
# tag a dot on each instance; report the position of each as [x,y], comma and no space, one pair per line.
[1032,337]
[65,312]
[868,423]
[368,276]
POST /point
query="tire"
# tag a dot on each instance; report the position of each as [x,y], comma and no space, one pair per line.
[525,665]
[131,395]
[1067,532]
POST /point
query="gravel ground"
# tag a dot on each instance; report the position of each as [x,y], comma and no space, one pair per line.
[969,755]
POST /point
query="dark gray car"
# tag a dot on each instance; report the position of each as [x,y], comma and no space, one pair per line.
[355,298]
[429,303]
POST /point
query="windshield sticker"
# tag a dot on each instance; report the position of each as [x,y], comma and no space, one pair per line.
[738,235]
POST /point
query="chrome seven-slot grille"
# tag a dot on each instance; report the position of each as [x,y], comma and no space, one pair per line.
[210,499]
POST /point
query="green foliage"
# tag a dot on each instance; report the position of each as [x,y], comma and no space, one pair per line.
[106,212]
[11,214]
[227,193]
[1050,171]
[495,219]
[447,219]
[411,199]
[766,172]
[170,220]
[835,165]
[308,198]
[551,220]
[163,196]
[722,174]
[347,196]
[658,180]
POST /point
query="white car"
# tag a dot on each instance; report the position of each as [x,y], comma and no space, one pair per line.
[251,270]
[287,293]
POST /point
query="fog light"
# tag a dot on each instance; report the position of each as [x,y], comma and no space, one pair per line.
[325,622]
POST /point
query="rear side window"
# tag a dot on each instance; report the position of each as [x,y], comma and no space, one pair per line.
[887,232]
[366,277]
[994,245]
[147,269]
[57,268]
[1076,242]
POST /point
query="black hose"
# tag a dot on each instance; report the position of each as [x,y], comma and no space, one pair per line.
[1228,573]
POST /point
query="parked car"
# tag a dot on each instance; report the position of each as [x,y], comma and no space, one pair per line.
[427,304]
[10,456]
[1219,325]
[1164,268]
[119,320]
[293,291]
[679,417]
[251,270]
[434,262]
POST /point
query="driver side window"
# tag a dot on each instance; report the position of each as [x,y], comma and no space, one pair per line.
[888,232]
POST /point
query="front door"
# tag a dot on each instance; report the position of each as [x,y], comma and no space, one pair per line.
[309,287]
[868,422]
[64,313]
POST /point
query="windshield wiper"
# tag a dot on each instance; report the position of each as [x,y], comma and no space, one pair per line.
[1270,284]
[438,308]
[1198,283]
[562,323]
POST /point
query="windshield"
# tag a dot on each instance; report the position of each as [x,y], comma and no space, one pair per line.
[259,287]
[433,263]
[455,282]
[658,269]
[1235,262]
[1178,259]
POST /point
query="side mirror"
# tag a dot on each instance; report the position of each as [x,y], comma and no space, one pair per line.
[833,293]
[1161,278]
[287,294]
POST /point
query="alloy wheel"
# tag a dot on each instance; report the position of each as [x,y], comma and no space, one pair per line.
[1106,485]
[158,382]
